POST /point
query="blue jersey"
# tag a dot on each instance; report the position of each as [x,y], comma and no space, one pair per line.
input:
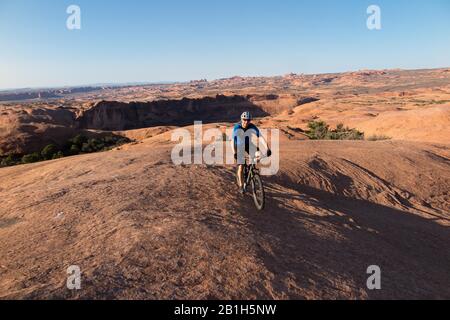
[238,135]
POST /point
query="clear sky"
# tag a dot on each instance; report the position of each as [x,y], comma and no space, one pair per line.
[177,40]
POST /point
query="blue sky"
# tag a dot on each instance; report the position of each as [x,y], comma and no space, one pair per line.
[177,40]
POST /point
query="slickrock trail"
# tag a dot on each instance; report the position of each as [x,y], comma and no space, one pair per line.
[141,228]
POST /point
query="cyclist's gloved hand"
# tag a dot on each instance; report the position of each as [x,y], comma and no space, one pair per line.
[269,153]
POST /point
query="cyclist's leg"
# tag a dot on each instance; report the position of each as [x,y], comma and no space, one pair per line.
[240,164]
[240,175]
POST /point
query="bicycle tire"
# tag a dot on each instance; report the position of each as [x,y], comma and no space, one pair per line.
[258,192]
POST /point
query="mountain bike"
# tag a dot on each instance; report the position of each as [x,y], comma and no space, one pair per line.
[253,179]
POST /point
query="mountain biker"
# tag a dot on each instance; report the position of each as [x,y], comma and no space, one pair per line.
[242,139]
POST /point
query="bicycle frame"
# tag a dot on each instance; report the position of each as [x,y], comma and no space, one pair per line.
[250,169]
[249,172]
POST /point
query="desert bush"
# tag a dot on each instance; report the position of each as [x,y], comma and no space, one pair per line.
[345,133]
[378,137]
[93,143]
[78,144]
[74,149]
[32,157]
[86,148]
[109,140]
[319,130]
[58,155]
[48,151]
[122,140]
[9,160]
[79,140]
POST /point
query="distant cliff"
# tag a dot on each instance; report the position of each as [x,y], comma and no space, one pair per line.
[113,115]
[29,128]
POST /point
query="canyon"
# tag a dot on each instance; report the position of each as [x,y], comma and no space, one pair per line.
[371,101]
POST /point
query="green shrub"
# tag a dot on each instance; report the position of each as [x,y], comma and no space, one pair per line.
[93,142]
[49,151]
[79,140]
[86,148]
[78,144]
[10,160]
[58,155]
[74,149]
[378,137]
[319,130]
[109,140]
[32,157]
[122,140]
[345,133]
[96,144]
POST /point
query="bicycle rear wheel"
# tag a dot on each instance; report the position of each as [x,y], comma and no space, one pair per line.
[258,192]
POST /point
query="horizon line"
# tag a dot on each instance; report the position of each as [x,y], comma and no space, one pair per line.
[145,83]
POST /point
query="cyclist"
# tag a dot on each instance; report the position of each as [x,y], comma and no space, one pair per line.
[243,139]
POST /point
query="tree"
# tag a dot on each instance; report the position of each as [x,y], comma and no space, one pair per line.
[96,144]
[79,140]
[8,161]
[74,149]
[32,157]
[86,148]
[58,155]
[48,151]
[317,130]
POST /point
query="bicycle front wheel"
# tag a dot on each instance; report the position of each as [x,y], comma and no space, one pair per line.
[258,192]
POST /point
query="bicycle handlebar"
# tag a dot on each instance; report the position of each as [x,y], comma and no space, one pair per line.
[255,158]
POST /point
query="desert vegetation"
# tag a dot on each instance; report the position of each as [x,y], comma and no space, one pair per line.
[378,137]
[79,144]
[320,130]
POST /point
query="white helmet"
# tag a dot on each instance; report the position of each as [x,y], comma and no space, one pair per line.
[246,116]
